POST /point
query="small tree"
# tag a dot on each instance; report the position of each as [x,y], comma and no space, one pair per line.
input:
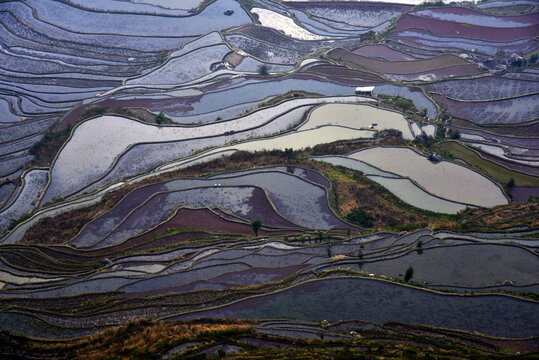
[289,154]
[533,58]
[256,224]
[263,70]
[511,183]
[161,118]
[409,274]
[453,134]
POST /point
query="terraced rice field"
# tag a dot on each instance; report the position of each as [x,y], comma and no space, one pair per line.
[359,173]
[446,180]
[357,117]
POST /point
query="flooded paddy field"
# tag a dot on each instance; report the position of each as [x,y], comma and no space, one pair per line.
[356,172]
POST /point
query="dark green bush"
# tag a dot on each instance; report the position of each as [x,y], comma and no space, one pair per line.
[360,217]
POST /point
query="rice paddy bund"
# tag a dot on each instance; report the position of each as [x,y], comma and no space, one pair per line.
[243,179]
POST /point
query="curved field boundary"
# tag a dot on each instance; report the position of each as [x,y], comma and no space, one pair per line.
[129,80]
[276,93]
[238,50]
[506,152]
[324,189]
[272,168]
[223,147]
[17,233]
[391,52]
[403,67]
[14,202]
[11,197]
[522,177]
[114,251]
[180,12]
[69,41]
[381,110]
[467,11]
[397,176]
[96,54]
[477,236]
[147,199]
[168,218]
[463,71]
[191,266]
[455,29]
[502,128]
[359,7]
[392,254]
[434,292]
[487,100]
[35,15]
[450,203]
[172,165]
[469,168]
[421,38]
[42,332]
[118,156]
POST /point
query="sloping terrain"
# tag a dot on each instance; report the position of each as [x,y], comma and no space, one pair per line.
[266,179]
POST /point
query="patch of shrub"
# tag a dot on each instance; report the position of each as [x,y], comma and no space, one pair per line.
[360,217]
[409,274]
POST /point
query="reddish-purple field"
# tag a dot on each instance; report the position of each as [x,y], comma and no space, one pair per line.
[383,52]
[458,30]
[209,221]
[523,193]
